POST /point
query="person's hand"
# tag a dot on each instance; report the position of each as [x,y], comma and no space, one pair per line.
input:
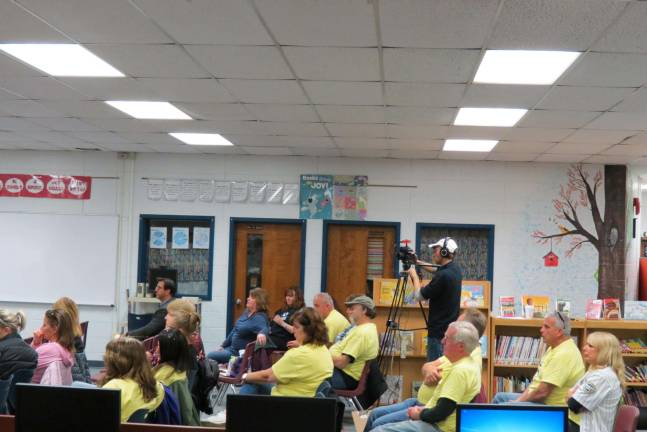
[293,344]
[414,412]
[571,392]
[277,319]
[431,373]
[412,272]
[38,338]
[261,339]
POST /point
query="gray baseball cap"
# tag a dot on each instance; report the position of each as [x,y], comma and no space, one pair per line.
[363,300]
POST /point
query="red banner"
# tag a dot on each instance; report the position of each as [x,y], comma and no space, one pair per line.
[45,186]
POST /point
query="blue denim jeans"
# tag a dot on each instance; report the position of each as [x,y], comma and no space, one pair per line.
[508,398]
[256,389]
[434,348]
[390,413]
[222,356]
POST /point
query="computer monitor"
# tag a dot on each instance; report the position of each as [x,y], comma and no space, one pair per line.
[41,408]
[247,413]
[512,417]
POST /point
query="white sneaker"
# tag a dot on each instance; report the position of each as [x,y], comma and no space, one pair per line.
[220,418]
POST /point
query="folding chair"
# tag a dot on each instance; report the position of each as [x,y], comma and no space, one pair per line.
[352,395]
[626,419]
[227,382]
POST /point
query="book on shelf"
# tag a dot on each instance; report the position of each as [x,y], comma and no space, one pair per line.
[384,290]
[636,374]
[563,306]
[593,309]
[611,308]
[635,397]
[510,384]
[402,343]
[393,393]
[635,310]
[506,306]
[483,343]
[519,350]
[633,346]
[539,304]
[472,294]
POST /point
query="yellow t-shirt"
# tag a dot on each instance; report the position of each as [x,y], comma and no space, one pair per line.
[132,398]
[361,344]
[167,375]
[301,370]
[461,383]
[562,367]
[335,323]
[425,391]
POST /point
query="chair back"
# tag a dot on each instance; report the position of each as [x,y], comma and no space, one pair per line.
[84,329]
[138,416]
[57,374]
[361,384]
[19,376]
[482,396]
[247,358]
[5,385]
[626,419]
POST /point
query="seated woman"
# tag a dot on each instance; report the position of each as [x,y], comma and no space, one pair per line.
[128,370]
[252,322]
[175,362]
[181,315]
[80,369]
[280,331]
[54,342]
[15,354]
[301,370]
[596,395]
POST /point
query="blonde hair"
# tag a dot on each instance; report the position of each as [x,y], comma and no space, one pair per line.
[609,353]
[125,358]
[187,319]
[68,305]
[16,321]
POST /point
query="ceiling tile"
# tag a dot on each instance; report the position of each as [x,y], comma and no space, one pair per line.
[148,138]
[214,111]
[364,143]
[334,64]
[228,150]
[578,148]
[277,112]
[85,109]
[187,90]
[288,128]
[635,102]
[150,60]
[552,25]
[415,131]
[268,151]
[19,26]
[414,154]
[286,141]
[608,70]
[344,93]
[432,95]
[415,115]
[610,159]
[627,34]
[99,137]
[524,147]
[357,130]
[6,137]
[600,136]
[34,145]
[218,22]
[477,132]
[620,121]
[17,124]
[59,138]
[538,134]
[583,98]
[257,140]
[557,119]
[89,21]
[436,24]
[25,108]
[124,147]
[502,96]
[5,146]
[243,62]
[626,150]
[512,157]
[320,23]
[123,124]
[266,91]
[415,144]
[172,148]
[314,151]
[458,155]
[429,65]
[639,138]
[39,88]
[65,124]
[11,67]
[110,88]
[351,114]
[364,153]
[561,158]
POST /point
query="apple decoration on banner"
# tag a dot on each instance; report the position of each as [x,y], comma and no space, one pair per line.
[45,186]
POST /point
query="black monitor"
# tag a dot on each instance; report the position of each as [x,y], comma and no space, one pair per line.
[511,417]
[66,409]
[247,413]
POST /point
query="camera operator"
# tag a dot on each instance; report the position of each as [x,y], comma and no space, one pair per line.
[443,293]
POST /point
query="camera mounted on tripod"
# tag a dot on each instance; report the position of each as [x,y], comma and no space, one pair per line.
[406,255]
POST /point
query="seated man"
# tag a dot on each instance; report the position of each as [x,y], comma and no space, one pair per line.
[559,369]
[460,384]
[432,372]
[165,292]
[335,321]
[360,345]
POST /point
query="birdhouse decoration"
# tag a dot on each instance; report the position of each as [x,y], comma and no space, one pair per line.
[551,259]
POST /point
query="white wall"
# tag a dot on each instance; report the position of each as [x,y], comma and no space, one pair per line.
[515,197]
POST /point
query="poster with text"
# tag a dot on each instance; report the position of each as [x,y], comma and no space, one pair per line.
[158,238]
[316,196]
[45,186]
[201,237]
[180,238]
[350,197]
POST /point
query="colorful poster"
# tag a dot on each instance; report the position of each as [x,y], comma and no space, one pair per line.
[158,238]
[180,238]
[350,197]
[201,237]
[45,186]
[316,197]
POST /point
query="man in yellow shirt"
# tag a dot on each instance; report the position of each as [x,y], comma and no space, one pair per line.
[559,369]
[335,321]
[360,345]
[460,384]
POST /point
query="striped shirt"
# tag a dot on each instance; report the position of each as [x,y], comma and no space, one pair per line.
[598,392]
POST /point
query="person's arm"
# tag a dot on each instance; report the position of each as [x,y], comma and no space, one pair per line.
[264,376]
[153,328]
[574,405]
[414,278]
[431,372]
[538,395]
[341,361]
[443,409]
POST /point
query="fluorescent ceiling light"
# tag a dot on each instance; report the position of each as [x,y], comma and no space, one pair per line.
[149,110]
[489,116]
[61,59]
[202,138]
[469,145]
[523,67]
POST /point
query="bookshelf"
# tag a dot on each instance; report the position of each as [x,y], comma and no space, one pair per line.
[411,318]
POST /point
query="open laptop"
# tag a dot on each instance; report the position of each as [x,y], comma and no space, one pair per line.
[512,417]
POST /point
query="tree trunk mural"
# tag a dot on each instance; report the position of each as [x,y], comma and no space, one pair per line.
[609,235]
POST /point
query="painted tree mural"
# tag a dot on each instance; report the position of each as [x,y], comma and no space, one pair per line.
[608,236]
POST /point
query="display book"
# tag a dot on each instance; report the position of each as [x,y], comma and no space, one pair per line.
[532,306]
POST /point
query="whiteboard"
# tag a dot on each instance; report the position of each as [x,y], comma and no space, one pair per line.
[46,256]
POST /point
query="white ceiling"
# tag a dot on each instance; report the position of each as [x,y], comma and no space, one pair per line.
[354,78]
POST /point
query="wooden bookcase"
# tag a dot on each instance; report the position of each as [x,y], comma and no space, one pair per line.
[411,318]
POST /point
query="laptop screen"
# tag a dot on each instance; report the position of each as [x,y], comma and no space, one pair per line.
[513,417]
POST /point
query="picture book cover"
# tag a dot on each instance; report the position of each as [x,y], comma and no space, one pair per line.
[611,308]
[539,304]
[635,310]
[407,343]
[593,309]
[472,295]
[384,290]
[563,306]
[506,306]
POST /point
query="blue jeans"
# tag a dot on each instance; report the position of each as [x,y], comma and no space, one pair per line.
[256,389]
[434,348]
[508,398]
[342,381]
[390,413]
[222,356]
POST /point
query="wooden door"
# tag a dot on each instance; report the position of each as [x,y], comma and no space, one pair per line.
[348,257]
[267,256]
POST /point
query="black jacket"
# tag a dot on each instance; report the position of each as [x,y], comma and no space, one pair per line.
[154,327]
[80,369]
[444,295]
[15,355]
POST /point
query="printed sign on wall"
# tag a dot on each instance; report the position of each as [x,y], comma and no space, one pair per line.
[45,186]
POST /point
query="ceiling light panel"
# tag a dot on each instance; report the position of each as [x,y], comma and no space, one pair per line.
[523,66]
[468,145]
[502,117]
[208,139]
[149,110]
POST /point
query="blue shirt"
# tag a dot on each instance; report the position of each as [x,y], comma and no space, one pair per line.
[245,330]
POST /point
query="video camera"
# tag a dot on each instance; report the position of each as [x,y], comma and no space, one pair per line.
[406,255]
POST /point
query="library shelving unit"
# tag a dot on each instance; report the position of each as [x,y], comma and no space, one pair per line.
[411,317]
